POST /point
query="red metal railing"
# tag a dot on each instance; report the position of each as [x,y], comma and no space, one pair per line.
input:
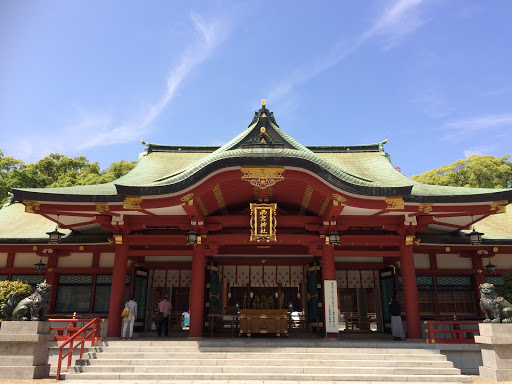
[71,333]
[451,332]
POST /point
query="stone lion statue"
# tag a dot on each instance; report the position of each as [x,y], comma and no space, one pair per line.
[34,306]
[492,304]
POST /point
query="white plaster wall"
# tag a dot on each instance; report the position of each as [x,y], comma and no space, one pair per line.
[421,260]
[502,261]
[27,260]
[3,260]
[76,260]
[448,261]
[107,260]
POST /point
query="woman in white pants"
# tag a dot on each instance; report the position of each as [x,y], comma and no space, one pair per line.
[129,320]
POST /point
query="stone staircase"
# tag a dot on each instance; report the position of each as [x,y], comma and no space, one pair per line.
[264,360]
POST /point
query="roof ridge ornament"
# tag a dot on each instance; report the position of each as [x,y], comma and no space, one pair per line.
[263,144]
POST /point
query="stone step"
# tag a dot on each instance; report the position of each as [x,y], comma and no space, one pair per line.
[241,349]
[268,362]
[254,369]
[253,377]
[264,355]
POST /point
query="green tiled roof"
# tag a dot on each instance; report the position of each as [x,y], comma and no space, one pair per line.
[361,169]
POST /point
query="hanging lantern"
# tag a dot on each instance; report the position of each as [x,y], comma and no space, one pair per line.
[40,266]
[490,268]
[191,237]
[54,237]
[334,238]
[475,238]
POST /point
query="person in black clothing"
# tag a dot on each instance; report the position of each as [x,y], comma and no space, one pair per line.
[397,327]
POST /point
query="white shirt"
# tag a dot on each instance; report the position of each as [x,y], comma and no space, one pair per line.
[133,308]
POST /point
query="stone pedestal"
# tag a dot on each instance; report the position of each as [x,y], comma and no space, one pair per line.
[496,347]
[24,349]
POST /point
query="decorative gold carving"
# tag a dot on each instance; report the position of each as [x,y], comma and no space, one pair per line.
[30,205]
[324,207]
[306,199]
[118,239]
[447,249]
[262,177]
[263,222]
[395,203]
[34,248]
[499,206]
[409,240]
[110,241]
[81,248]
[339,198]
[201,206]
[217,192]
[187,197]
[132,202]
[425,207]
[102,207]
[495,249]
[263,102]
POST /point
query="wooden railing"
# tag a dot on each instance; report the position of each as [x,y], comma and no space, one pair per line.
[71,334]
[453,332]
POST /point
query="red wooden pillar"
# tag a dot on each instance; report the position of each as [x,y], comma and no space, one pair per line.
[478,268]
[117,291]
[328,273]
[197,292]
[51,278]
[412,311]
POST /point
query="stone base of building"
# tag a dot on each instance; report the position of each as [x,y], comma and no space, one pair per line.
[496,347]
[24,349]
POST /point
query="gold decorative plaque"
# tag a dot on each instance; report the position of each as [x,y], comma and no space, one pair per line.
[395,203]
[102,207]
[425,207]
[263,222]
[30,205]
[262,177]
[499,206]
[132,202]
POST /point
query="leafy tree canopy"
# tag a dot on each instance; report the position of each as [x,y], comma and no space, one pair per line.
[475,171]
[56,170]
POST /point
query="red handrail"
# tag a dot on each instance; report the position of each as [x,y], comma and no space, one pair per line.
[458,335]
[95,333]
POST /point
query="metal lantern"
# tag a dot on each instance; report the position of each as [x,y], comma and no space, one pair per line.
[475,238]
[191,237]
[491,268]
[40,266]
[55,236]
[334,238]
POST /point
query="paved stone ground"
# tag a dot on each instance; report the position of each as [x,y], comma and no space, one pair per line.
[476,380]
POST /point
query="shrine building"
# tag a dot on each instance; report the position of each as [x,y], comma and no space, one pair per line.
[260,223]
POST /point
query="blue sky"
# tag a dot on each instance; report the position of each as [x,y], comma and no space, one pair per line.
[93,78]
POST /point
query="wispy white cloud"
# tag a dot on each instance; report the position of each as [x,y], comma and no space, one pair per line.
[105,132]
[393,25]
[459,130]
[399,20]
[479,150]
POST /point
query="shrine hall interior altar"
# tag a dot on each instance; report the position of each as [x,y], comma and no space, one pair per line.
[270,321]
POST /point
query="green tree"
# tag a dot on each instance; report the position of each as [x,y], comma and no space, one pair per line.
[19,291]
[56,170]
[506,289]
[475,171]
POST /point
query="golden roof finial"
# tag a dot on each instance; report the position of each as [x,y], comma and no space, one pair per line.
[263,103]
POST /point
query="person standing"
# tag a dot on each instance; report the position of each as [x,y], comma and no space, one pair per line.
[397,326]
[130,319]
[164,306]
